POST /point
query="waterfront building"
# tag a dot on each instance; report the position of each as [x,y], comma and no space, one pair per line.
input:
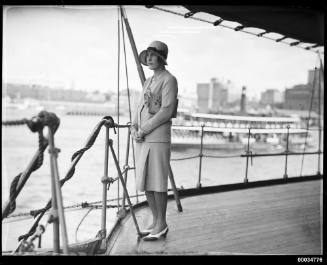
[299,96]
[212,97]
[271,97]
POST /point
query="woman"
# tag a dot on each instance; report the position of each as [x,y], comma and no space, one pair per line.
[151,129]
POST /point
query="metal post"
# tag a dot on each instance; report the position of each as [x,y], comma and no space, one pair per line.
[126,167]
[59,201]
[54,210]
[118,86]
[247,158]
[200,156]
[105,181]
[173,186]
[286,151]
[319,119]
[124,187]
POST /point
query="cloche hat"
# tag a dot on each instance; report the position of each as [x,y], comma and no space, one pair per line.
[158,47]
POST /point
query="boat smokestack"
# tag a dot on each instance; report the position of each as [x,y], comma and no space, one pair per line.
[243,100]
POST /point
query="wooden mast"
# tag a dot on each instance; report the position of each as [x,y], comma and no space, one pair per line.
[142,78]
[132,42]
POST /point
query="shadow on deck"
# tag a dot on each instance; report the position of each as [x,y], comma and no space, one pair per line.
[278,219]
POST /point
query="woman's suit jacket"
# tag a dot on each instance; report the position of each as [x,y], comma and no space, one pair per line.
[157,127]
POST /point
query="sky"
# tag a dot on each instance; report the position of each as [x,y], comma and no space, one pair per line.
[77,46]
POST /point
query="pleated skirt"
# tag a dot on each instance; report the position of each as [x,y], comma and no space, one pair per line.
[152,166]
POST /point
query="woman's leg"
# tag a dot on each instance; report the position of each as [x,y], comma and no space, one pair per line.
[151,201]
[161,206]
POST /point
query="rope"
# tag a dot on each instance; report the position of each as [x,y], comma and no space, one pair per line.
[208,156]
[14,189]
[184,158]
[75,206]
[252,128]
[128,95]
[87,213]
[82,221]
[70,173]
[222,156]
[14,122]
[238,28]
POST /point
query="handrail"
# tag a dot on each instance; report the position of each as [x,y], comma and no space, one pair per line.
[244,128]
[75,159]
[36,124]
[110,124]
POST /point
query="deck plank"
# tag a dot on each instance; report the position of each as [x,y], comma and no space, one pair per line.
[278,219]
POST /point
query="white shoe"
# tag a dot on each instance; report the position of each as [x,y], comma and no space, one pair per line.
[151,237]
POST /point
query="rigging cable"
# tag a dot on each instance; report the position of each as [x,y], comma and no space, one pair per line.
[309,117]
[321,74]
[118,84]
[128,96]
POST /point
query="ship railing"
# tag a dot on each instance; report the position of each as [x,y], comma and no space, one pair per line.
[249,154]
[36,124]
[122,174]
[57,217]
[37,230]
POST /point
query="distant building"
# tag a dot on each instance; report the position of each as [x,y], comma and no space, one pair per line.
[124,102]
[299,96]
[243,101]
[96,96]
[41,92]
[271,97]
[212,97]
[311,75]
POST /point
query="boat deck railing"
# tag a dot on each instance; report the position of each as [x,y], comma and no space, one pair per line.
[249,154]
[37,230]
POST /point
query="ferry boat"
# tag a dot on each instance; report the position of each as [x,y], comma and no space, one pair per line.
[220,131]
[262,217]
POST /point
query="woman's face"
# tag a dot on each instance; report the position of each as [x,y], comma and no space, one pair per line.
[152,60]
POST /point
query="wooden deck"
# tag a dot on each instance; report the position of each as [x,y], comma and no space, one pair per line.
[279,219]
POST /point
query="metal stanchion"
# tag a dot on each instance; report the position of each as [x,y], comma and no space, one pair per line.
[247,157]
[286,151]
[123,210]
[200,156]
[105,180]
[125,189]
[173,186]
[57,196]
[319,117]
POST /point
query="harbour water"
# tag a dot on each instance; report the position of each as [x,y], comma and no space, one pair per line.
[19,145]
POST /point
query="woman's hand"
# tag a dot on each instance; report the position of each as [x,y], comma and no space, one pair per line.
[139,136]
